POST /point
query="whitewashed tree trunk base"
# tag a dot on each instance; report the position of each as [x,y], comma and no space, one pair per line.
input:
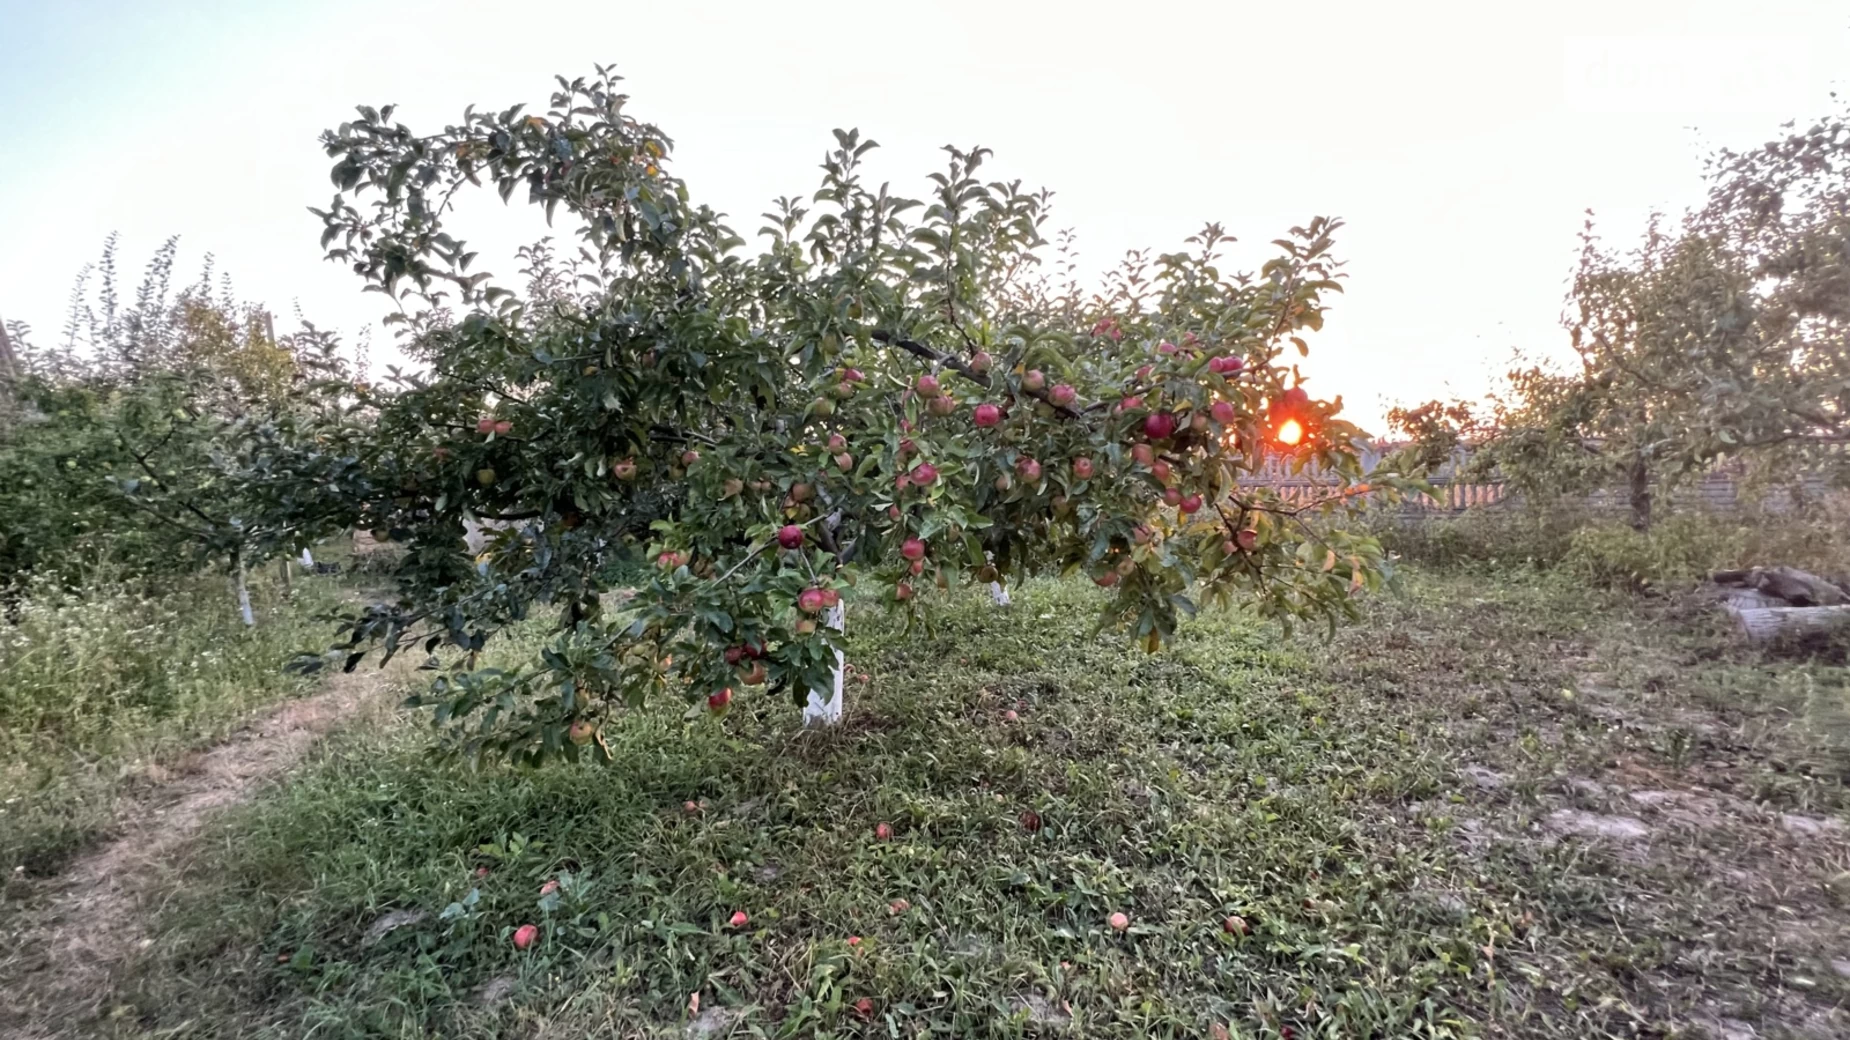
[997,594]
[244,598]
[827,710]
[308,561]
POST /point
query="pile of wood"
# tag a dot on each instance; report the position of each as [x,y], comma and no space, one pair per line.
[1784,603]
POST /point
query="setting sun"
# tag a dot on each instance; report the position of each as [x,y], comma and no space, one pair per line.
[1290,432]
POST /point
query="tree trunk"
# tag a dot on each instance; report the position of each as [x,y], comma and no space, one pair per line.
[997,594]
[825,709]
[243,588]
[1640,488]
[1768,624]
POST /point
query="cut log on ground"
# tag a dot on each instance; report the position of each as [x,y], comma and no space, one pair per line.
[1769,624]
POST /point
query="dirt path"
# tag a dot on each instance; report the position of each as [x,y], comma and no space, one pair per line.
[92,918]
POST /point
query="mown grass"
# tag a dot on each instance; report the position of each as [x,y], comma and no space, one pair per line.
[1378,810]
[101,690]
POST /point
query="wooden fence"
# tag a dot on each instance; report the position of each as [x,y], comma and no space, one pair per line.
[1719,490]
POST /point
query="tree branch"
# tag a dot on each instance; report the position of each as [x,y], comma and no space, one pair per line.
[956,364]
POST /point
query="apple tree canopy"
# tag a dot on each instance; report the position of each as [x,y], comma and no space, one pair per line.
[882,370]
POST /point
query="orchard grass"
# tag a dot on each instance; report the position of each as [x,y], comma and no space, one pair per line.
[103,691]
[1385,812]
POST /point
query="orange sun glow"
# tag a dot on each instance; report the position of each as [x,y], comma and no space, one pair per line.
[1290,432]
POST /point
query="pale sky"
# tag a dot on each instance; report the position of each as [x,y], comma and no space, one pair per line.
[1461,143]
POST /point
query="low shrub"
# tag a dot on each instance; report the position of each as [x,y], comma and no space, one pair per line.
[1686,547]
[1600,548]
[1537,537]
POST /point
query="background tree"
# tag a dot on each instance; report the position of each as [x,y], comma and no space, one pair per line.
[890,397]
[147,442]
[1721,336]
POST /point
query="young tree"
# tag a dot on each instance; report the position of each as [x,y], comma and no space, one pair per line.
[888,398]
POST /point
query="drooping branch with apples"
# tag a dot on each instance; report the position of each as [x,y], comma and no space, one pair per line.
[891,396]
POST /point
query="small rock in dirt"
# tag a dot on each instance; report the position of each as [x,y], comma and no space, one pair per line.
[1589,788]
[388,923]
[1841,966]
[496,990]
[1810,826]
[1594,825]
[714,1021]
[1485,779]
[1041,1011]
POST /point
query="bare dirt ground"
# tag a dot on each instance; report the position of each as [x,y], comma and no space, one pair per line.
[91,920]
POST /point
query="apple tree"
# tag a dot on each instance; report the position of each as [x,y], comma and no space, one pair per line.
[1721,335]
[888,399]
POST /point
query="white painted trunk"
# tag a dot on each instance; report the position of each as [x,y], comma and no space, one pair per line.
[997,593]
[244,597]
[308,561]
[826,710]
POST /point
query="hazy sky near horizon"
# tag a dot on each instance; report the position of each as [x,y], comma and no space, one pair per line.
[1461,143]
